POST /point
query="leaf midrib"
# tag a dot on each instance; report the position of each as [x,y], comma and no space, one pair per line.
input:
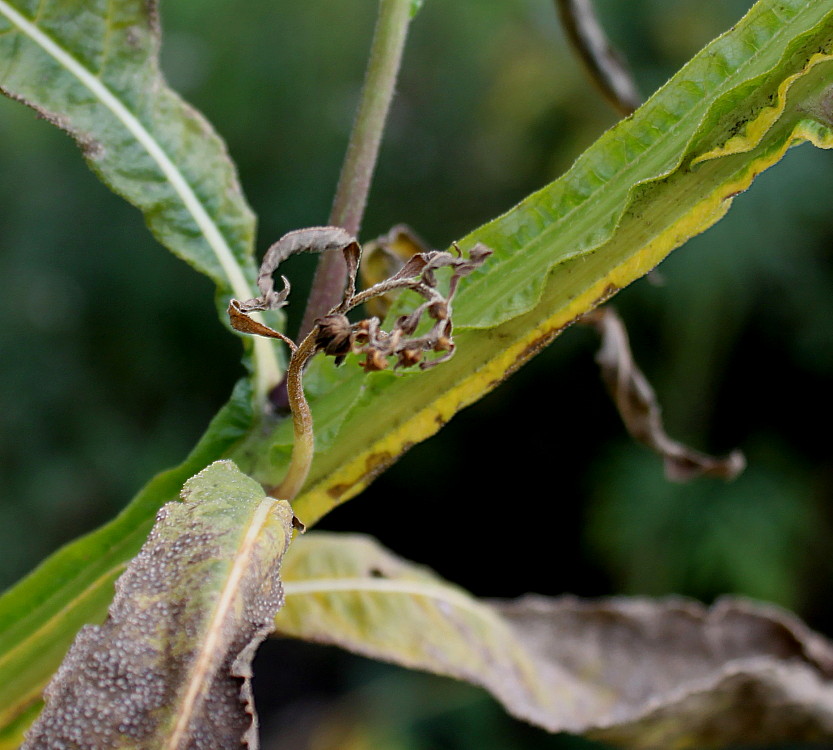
[212,639]
[268,369]
[481,286]
[357,585]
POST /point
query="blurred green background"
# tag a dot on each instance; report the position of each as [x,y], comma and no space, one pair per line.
[113,360]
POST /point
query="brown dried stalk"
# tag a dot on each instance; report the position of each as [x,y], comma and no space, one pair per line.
[336,336]
[605,65]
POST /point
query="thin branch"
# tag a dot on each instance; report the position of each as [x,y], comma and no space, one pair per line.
[605,65]
[362,151]
[303,446]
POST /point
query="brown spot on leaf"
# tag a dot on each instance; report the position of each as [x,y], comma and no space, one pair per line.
[375,464]
[337,490]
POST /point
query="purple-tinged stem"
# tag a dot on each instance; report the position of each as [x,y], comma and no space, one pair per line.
[362,151]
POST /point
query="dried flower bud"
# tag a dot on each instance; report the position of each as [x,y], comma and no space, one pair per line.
[438,310]
[444,344]
[365,330]
[374,361]
[408,357]
[479,253]
[335,335]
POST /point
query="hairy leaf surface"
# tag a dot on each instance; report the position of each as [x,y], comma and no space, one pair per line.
[40,616]
[638,673]
[657,178]
[171,665]
[98,78]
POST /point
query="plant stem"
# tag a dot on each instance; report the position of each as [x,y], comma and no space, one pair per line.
[605,65]
[304,443]
[362,151]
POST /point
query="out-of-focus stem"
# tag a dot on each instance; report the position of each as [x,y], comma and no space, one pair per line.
[362,151]
[605,65]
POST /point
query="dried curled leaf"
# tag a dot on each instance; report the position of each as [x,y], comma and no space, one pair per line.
[244,323]
[309,240]
[383,257]
[171,665]
[637,673]
[637,404]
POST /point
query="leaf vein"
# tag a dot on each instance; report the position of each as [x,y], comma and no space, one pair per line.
[268,371]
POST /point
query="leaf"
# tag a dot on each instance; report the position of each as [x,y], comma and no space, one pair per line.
[98,78]
[171,665]
[40,616]
[638,192]
[637,405]
[634,672]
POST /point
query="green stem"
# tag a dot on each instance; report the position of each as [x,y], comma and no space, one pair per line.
[362,151]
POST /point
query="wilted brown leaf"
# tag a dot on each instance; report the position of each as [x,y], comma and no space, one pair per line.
[308,240]
[384,257]
[605,64]
[674,673]
[633,672]
[637,404]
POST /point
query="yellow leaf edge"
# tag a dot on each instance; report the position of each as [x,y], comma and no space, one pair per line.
[353,476]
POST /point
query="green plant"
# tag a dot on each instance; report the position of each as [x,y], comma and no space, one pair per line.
[645,187]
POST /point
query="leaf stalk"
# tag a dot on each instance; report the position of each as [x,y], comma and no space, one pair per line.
[303,446]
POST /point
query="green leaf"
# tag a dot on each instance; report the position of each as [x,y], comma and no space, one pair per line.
[645,170]
[171,666]
[94,72]
[659,177]
[416,6]
[741,673]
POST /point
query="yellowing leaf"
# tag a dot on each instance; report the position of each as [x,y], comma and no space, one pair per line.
[638,673]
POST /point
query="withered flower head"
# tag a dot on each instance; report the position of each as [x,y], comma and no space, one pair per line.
[336,336]
[374,361]
[417,274]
